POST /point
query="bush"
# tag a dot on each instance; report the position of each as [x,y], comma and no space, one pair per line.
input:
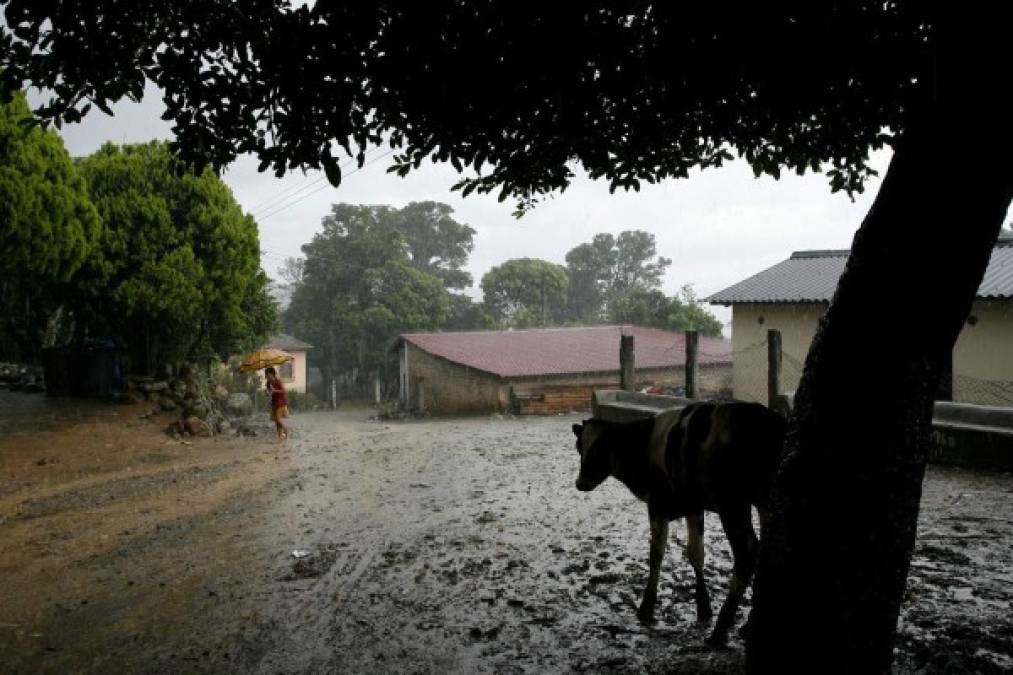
[300,402]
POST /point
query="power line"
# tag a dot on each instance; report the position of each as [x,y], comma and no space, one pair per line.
[284,207]
[264,202]
[277,200]
[271,202]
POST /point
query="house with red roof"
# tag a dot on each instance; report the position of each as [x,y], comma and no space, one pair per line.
[544,370]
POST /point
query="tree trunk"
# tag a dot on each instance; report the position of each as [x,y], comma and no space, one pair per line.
[835,553]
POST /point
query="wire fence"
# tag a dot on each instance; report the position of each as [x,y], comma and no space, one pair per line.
[750,378]
[969,389]
[750,372]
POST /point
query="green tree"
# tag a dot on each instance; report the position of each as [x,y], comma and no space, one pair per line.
[526,292]
[651,307]
[641,307]
[177,273]
[358,288]
[435,242]
[688,314]
[466,314]
[639,93]
[609,267]
[48,227]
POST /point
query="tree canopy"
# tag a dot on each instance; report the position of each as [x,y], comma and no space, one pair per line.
[435,242]
[48,225]
[651,307]
[369,275]
[609,267]
[634,92]
[176,272]
[526,292]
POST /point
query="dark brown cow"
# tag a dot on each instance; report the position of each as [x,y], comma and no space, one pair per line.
[715,456]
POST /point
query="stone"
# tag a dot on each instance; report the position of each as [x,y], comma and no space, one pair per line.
[238,405]
[195,426]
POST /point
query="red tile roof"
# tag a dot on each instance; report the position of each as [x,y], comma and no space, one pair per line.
[565,351]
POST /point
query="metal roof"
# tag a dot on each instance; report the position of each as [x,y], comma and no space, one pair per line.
[812,276]
[565,351]
[288,343]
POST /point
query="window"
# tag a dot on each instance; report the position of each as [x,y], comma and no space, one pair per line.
[286,372]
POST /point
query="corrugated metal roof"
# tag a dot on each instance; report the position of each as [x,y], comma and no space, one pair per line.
[812,276]
[998,280]
[288,343]
[565,351]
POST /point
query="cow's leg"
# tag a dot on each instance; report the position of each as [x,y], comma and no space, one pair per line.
[695,555]
[738,526]
[659,541]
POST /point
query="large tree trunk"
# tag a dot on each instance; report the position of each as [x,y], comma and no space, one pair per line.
[834,558]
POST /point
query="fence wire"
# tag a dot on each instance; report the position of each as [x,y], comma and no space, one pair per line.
[969,389]
[750,378]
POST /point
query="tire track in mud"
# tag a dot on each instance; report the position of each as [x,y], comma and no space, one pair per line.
[323,587]
[101,494]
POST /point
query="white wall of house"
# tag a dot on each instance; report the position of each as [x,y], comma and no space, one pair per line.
[292,374]
[982,357]
[750,323]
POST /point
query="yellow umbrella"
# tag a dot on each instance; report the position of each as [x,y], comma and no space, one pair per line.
[263,358]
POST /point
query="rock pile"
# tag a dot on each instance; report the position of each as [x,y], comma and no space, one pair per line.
[199,406]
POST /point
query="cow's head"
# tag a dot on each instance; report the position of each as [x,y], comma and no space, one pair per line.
[595,457]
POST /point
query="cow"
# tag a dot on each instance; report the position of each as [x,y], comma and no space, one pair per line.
[717,456]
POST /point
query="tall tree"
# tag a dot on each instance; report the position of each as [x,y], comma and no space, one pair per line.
[526,292]
[48,227]
[435,242]
[642,92]
[177,273]
[609,267]
[359,288]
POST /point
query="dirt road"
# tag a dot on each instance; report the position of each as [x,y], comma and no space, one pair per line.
[434,546]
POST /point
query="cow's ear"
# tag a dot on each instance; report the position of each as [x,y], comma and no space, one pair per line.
[578,429]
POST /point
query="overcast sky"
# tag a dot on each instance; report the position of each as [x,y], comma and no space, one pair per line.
[718,226]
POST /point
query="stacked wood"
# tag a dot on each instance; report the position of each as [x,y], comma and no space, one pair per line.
[552,400]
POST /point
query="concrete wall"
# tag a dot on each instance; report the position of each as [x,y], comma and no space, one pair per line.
[982,357]
[750,323]
[450,388]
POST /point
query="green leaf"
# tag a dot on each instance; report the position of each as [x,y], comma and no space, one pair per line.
[331,169]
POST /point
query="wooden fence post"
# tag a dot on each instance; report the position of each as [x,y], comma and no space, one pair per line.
[773,367]
[627,363]
[692,340]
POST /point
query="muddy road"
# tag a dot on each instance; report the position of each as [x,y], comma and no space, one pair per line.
[422,547]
